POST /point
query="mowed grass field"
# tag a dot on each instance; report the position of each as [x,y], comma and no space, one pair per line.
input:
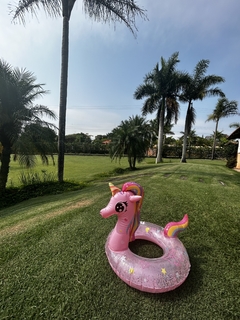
[77,168]
[52,259]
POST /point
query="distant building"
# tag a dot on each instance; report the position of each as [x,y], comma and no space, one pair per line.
[233,136]
[106,142]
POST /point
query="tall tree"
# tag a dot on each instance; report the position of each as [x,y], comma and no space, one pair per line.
[160,88]
[224,108]
[100,10]
[198,86]
[132,137]
[20,118]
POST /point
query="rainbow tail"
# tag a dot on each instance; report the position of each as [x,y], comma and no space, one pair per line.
[172,229]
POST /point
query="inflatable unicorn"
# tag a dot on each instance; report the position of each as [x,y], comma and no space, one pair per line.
[151,275]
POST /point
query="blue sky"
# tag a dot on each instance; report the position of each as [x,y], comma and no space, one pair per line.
[107,64]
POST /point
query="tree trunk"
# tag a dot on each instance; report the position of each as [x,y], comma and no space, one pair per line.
[160,132]
[130,162]
[63,94]
[186,132]
[4,168]
[134,162]
[214,141]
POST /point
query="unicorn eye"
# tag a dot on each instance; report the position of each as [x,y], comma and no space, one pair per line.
[121,206]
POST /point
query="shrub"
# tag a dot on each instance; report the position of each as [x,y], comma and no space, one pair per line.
[231,162]
[35,178]
[230,152]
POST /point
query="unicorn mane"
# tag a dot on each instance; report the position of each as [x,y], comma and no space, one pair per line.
[136,189]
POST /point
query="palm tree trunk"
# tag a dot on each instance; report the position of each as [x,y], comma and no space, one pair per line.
[160,132]
[63,94]
[4,168]
[214,141]
[186,132]
[134,162]
[130,162]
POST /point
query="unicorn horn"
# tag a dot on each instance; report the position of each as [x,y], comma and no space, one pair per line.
[113,189]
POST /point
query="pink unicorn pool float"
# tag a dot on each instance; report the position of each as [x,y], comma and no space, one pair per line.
[150,275]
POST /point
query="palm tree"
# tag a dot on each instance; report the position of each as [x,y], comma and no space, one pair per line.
[224,108]
[198,86]
[100,10]
[131,137]
[18,91]
[35,138]
[160,88]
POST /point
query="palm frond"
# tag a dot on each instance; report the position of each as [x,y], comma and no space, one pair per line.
[173,110]
[150,105]
[172,62]
[143,91]
[234,125]
[111,11]
[211,80]
[190,118]
[224,108]
[200,70]
[42,111]
[52,8]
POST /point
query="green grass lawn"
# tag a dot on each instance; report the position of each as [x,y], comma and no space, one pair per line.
[77,168]
[53,264]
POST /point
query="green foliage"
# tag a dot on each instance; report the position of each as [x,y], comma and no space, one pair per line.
[35,178]
[132,138]
[231,162]
[230,152]
[22,131]
[224,108]
[82,143]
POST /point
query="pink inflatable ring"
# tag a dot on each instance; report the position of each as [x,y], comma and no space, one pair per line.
[150,275]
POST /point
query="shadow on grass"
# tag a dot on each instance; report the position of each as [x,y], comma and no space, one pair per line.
[145,249]
[12,196]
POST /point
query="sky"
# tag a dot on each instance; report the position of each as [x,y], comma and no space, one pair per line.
[107,63]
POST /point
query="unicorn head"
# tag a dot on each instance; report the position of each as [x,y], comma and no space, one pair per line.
[126,204]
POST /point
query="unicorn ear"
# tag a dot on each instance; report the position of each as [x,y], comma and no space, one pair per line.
[135,198]
[113,189]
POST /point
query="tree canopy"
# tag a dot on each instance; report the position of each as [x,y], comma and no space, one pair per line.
[160,89]
[197,86]
[20,121]
[132,138]
[224,108]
